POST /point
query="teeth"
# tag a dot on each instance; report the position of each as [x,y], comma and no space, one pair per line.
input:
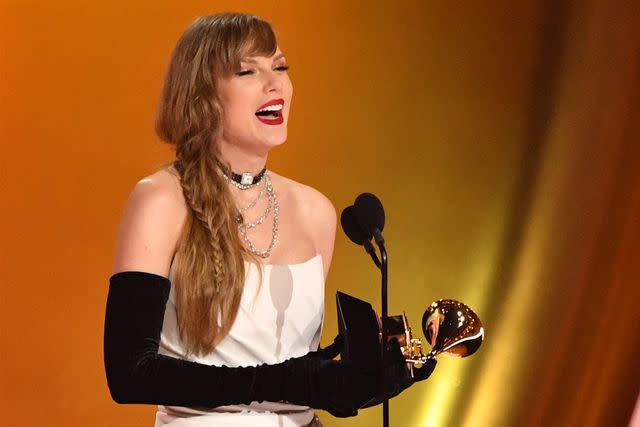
[276,107]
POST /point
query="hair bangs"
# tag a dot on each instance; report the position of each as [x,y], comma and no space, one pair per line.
[246,36]
[261,40]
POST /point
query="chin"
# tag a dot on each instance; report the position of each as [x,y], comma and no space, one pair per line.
[275,140]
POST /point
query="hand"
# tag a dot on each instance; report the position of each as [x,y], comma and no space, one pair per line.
[342,387]
[346,387]
[397,374]
[333,349]
[425,371]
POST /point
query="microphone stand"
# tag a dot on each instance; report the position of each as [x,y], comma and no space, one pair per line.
[372,252]
[384,279]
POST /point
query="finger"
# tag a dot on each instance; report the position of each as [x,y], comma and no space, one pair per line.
[423,372]
[333,349]
[394,351]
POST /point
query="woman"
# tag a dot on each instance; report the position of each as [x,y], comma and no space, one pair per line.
[215,306]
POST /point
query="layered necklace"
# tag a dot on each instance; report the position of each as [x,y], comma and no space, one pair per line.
[247,181]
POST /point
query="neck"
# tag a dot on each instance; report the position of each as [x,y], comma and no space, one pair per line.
[241,159]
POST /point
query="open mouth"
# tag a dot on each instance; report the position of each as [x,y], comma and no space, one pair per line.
[271,112]
[268,114]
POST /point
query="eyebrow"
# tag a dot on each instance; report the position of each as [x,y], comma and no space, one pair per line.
[253,61]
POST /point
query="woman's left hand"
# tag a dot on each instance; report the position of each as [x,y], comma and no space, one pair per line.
[396,375]
[333,349]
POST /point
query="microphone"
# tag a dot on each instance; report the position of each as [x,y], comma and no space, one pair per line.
[351,227]
[370,216]
[355,233]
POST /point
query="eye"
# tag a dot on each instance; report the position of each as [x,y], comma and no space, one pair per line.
[248,72]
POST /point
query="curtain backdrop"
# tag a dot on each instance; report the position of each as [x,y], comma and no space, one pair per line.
[502,138]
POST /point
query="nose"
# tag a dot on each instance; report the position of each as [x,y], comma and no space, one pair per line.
[273,83]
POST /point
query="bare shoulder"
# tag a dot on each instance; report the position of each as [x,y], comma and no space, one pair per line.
[151,224]
[315,211]
[314,205]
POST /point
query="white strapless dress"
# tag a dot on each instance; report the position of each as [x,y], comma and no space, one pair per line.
[283,320]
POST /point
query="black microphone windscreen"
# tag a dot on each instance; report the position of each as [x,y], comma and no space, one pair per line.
[369,212]
[351,227]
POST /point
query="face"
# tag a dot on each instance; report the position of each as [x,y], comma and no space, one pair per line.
[261,86]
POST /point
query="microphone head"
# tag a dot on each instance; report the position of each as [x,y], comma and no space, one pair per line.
[369,213]
[351,227]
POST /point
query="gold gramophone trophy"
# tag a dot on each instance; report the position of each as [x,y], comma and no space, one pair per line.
[449,326]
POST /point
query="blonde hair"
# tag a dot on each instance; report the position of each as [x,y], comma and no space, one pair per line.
[209,261]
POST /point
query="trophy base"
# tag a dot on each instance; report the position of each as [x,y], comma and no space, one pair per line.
[358,325]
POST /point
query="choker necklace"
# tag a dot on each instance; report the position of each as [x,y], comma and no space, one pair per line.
[243,181]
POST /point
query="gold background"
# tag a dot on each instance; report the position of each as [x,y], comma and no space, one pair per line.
[502,138]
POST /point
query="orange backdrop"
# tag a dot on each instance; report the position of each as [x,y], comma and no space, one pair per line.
[502,139]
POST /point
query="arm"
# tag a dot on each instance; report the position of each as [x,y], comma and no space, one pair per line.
[150,226]
[138,292]
[137,373]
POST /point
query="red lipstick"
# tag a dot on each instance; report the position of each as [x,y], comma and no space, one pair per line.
[277,121]
[266,119]
[272,102]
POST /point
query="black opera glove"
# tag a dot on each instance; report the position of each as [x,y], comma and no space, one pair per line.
[392,375]
[398,375]
[425,371]
[333,349]
[137,373]
[356,387]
